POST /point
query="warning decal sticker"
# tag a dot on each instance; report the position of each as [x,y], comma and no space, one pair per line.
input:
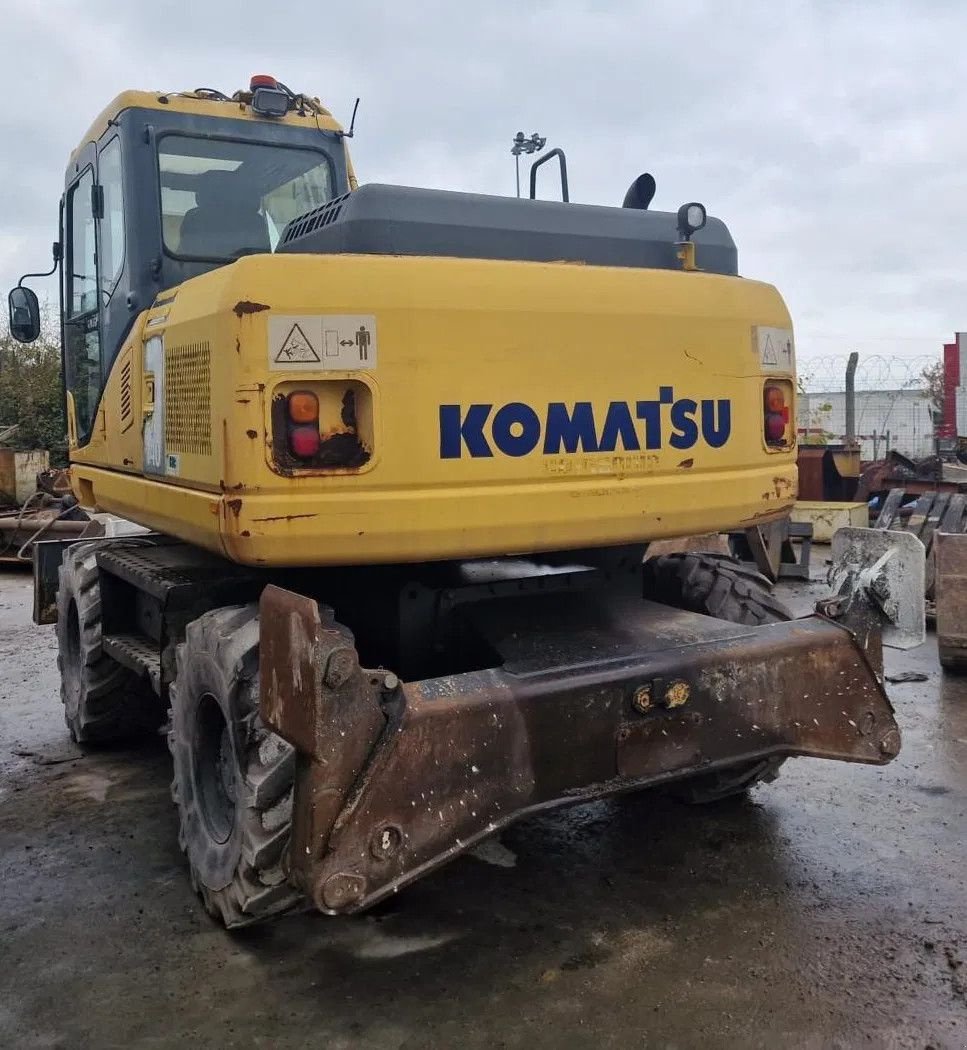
[296,347]
[322,342]
[775,349]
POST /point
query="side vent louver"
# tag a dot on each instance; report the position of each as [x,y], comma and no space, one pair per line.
[324,215]
[126,408]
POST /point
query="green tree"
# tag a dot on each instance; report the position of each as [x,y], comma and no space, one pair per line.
[933,384]
[31,396]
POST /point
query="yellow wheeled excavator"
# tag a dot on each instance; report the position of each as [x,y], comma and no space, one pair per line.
[399,454]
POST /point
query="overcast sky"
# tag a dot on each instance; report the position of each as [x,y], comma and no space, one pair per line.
[831,136]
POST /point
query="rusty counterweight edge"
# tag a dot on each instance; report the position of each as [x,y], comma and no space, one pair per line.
[575,797]
[361,796]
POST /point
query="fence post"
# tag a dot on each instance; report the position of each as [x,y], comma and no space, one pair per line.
[854,358]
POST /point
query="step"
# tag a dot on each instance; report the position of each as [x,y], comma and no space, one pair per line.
[138,653]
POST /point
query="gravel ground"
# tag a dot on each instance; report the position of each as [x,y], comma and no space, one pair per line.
[828,910]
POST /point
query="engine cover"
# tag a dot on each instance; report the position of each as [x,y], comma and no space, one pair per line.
[403,220]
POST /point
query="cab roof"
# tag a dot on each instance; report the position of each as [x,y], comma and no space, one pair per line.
[202,103]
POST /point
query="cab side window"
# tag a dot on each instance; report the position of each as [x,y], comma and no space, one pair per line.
[82,344]
[83,249]
[111,243]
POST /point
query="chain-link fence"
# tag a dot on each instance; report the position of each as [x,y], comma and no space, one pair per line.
[895,398]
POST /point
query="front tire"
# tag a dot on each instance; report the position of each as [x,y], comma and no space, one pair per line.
[233,778]
[716,585]
[103,701]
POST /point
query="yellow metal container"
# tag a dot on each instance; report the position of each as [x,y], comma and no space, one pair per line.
[827,517]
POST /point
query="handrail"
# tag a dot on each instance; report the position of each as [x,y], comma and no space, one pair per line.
[556,152]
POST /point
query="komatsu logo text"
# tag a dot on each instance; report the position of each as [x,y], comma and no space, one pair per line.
[517,429]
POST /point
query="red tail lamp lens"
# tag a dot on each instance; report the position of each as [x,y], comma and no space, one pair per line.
[775,429]
[304,441]
[303,406]
[262,80]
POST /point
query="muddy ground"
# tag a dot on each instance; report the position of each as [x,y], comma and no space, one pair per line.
[828,910]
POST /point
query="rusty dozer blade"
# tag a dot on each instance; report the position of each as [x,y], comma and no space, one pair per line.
[594,695]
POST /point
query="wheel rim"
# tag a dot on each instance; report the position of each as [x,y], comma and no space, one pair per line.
[214,770]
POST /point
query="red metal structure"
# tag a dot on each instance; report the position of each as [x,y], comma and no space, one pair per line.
[951,377]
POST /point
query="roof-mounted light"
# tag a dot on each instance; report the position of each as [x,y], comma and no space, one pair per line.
[691,218]
[268,99]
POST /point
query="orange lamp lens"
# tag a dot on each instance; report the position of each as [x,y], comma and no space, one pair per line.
[775,399]
[303,406]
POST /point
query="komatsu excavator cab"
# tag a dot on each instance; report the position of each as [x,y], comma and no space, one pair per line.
[163,188]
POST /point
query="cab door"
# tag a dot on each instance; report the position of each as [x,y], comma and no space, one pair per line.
[81,331]
[93,267]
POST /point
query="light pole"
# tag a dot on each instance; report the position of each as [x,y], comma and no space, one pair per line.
[524,145]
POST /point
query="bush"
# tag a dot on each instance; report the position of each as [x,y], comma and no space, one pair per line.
[31,395]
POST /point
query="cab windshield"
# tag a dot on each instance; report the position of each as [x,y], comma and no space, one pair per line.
[222,199]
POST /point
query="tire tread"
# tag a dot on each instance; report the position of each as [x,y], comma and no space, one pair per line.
[113,703]
[259,888]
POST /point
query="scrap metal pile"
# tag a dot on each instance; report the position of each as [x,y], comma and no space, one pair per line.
[915,477]
[50,512]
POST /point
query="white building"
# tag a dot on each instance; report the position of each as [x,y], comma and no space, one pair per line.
[885,419]
[960,394]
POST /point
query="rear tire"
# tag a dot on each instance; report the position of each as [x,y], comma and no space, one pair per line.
[103,701]
[716,585]
[233,778]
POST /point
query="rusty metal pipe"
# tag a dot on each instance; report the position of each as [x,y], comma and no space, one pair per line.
[30,524]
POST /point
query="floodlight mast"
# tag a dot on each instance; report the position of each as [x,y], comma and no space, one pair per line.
[522,144]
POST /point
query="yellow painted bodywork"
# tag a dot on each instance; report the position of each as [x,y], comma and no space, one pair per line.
[449,332]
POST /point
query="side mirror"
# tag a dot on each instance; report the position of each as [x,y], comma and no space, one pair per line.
[24,314]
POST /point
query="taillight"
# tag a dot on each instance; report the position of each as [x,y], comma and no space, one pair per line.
[303,407]
[321,425]
[303,423]
[776,414]
[304,441]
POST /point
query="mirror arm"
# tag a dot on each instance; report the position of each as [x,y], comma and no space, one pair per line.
[50,272]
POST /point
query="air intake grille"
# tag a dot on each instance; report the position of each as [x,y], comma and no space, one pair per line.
[187,393]
[127,415]
[324,215]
